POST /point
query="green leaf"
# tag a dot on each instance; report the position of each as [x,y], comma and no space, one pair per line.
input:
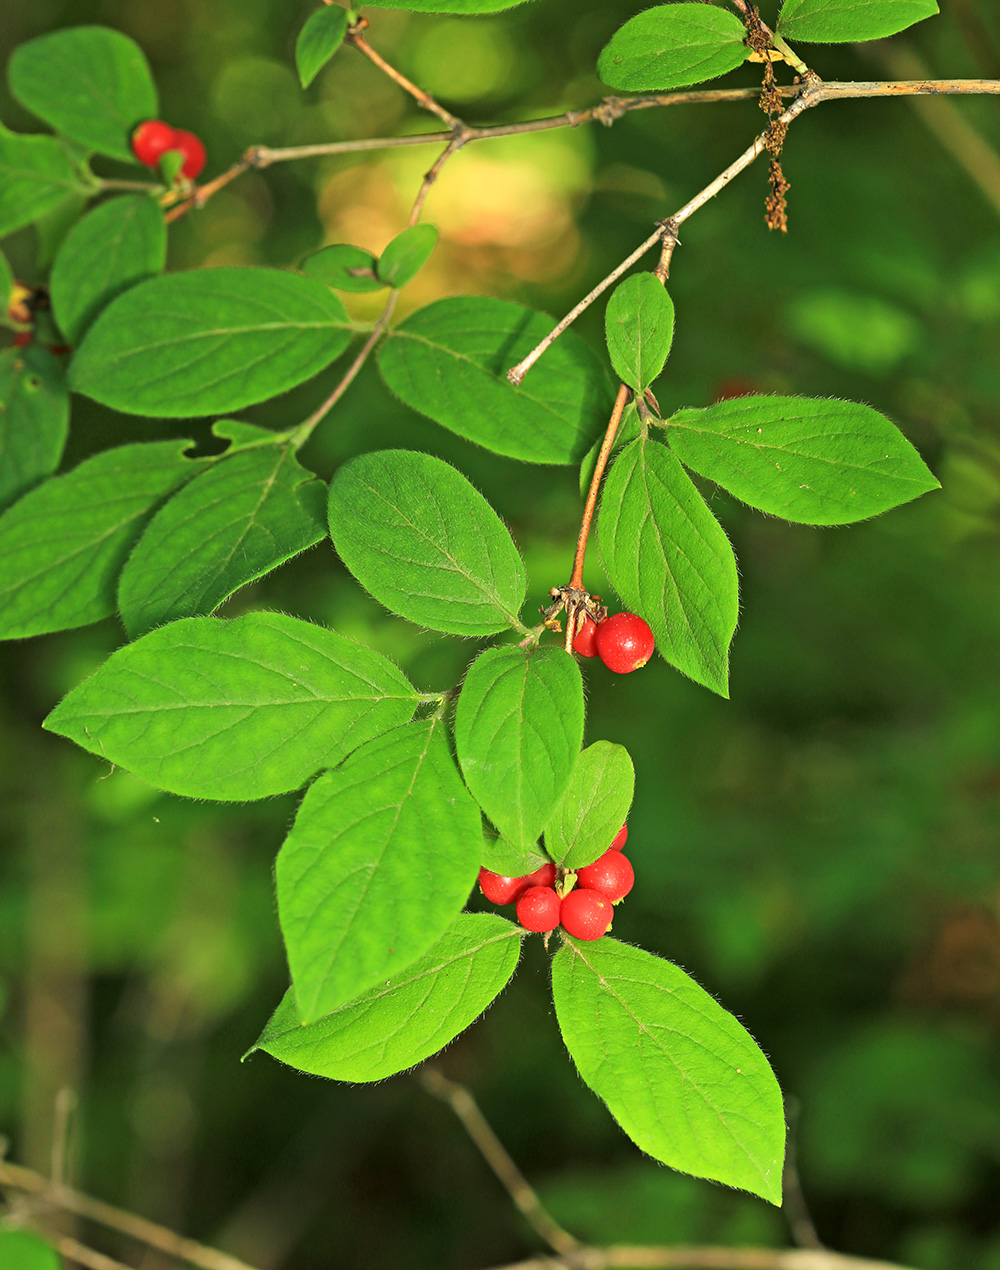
[639,325]
[501,856]
[450,362]
[64,544]
[318,40]
[670,561]
[593,807]
[343,267]
[406,255]
[234,710]
[89,83]
[21,1250]
[116,245]
[52,228]
[6,286]
[242,518]
[518,729]
[36,175]
[425,543]
[209,341]
[682,1077]
[380,860]
[845,21]
[406,1019]
[34,418]
[445,6]
[811,460]
[671,46]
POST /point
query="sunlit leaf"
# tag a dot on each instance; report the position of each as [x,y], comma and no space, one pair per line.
[845,21]
[235,709]
[379,862]
[639,326]
[425,543]
[812,460]
[90,83]
[406,255]
[235,522]
[408,1017]
[518,728]
[670,561]
[21,1250]
[116,245]
[209,341]
[593,807]
[682,1077]
[36,175]
[450,362]
[673,45]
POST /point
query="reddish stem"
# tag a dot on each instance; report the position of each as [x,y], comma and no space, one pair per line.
[595,483]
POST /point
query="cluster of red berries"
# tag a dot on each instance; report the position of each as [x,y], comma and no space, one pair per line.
[154,138]
[623,641]
[584,912]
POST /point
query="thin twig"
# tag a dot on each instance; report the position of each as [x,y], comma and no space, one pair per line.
[495,1154]
[424,100]
[576,578]
[146,1232]
[432,174]
[794,1205]
[624,1257]
[81,1255]
[62,1122]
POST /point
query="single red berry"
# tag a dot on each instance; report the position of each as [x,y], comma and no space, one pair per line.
[624,642]
[611,875]
[538,909]
[545,875]
[500,889]
[151,141]
[621,837]
[586,914]
[583,640]
[193,151]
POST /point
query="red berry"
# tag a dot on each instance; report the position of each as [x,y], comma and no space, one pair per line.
[538,909]
[611,875]
[151,140]
[543,876]
[500,889]
[586,914]
[193,151]
[621,837]
[624,642]
[583,640]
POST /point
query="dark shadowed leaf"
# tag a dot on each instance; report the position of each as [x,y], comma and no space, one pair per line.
[320,37]
[343,267]
[34,418]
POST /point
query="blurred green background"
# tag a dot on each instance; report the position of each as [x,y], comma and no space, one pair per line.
[822,852]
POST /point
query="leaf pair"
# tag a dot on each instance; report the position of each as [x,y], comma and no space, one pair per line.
[674,45]
[347,268]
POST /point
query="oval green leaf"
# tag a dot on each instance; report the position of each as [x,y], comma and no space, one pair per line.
[593,807]
[113,247]
[639,326]
[810,460]
[209,341]
[409,1017]
[21,1250]
[682,1077]
[379,862]
[34,418]
[670,561]
[89,83]
[406,255]
[63,544]
[343,267]
[446,6]
[673,45]
[847,21]
[320,37]
[425,543]
[36,175]
[234,710]
[450,361]
[242,518]
[518,729]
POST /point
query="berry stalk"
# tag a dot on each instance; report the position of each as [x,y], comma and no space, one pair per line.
[576,580]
